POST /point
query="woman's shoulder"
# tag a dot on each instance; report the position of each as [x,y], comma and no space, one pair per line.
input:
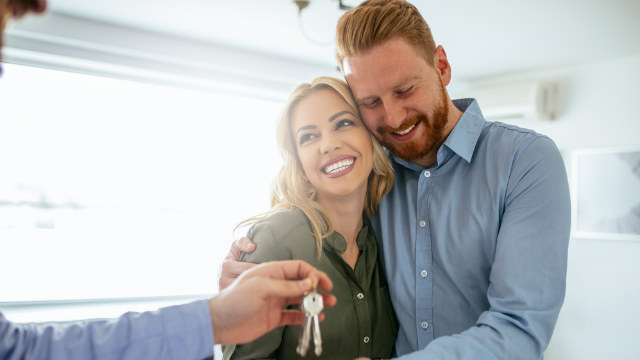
[281,235]
[282,222]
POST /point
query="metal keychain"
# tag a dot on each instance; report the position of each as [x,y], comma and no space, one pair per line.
[311,305]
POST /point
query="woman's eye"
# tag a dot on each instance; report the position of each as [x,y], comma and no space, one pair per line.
[306,137]
[343,123]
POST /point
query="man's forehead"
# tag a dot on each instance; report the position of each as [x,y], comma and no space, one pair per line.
[346,68]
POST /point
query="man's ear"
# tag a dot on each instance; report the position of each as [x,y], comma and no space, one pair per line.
[441,64]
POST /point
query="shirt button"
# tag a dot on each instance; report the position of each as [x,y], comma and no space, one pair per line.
[366,339]
[424,324]
[424,273]
[423,223]
[427,173]
[360,296]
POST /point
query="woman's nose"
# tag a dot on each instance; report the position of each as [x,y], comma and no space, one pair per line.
[329,144]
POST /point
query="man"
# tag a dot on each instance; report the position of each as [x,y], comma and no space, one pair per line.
[250,307]
[474,234]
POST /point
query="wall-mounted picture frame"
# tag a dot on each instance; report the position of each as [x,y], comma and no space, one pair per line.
[606,193]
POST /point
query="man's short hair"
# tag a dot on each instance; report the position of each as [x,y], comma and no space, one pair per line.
[376,21]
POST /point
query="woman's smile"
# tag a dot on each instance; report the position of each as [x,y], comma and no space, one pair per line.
[339,166]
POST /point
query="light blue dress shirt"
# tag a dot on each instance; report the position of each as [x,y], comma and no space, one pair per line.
[176,332]
[475,247]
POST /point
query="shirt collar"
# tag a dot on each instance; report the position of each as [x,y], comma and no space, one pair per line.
[337,242]
[463,138]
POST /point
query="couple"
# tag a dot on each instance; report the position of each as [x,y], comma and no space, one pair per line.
[472,236]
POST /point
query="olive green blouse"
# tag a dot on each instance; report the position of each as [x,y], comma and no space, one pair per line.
[362,323]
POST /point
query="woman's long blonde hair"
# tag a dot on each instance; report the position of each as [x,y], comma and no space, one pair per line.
[290,189]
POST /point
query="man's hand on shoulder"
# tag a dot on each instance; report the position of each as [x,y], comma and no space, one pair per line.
[232,267]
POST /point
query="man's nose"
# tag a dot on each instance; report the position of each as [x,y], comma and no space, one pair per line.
[395,114]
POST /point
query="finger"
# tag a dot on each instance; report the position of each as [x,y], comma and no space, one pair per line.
[327,300]
[238,247]
[230,271]
[282,289]
[298,269]
[295,317]
[246,244]
[234,269]
[291,317]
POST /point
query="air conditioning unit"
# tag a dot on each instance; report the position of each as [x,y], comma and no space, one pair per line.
[522,100]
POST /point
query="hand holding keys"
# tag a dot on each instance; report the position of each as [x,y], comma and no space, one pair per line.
[311,305]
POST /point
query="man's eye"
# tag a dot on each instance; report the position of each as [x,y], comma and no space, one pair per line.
[405,91]
[370,104]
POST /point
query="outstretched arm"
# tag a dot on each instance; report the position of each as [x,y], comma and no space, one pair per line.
[250,307]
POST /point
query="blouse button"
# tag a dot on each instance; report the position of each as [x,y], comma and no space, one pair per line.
[424,324]
[366,339]
[360,296]
[427,173]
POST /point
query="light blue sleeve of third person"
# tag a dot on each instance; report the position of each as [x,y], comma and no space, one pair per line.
[176,332]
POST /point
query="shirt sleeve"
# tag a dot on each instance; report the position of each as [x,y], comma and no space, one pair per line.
[272,244]
[177,332]
[269,247]
[528,276]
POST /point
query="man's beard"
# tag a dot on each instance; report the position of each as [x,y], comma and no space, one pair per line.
[418,148]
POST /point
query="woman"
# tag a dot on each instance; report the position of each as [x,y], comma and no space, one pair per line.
[333,177]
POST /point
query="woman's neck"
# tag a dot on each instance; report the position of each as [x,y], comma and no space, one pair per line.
[345,213]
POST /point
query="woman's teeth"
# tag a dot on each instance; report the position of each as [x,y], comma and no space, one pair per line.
[406,131]
[338,167]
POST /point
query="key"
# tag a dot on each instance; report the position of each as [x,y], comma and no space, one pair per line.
[317,339]
[312,305]
[303,340]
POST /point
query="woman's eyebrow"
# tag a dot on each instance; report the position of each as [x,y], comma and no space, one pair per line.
[306,127]
[338,114]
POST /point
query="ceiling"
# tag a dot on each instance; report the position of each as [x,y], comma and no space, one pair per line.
[480,38]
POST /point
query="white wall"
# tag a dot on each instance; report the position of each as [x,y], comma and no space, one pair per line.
[601,314]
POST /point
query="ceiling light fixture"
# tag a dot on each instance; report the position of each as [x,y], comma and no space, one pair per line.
[303,4]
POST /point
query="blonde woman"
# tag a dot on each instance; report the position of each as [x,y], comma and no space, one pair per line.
[333,176]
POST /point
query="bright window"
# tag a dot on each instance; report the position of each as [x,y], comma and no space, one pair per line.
[118,189]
